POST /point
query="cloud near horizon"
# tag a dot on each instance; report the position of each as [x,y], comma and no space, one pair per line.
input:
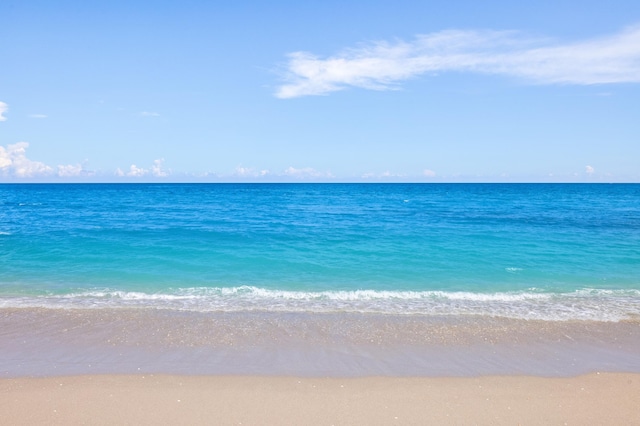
[248,172]
[383,65]
[306,173]
[156,170]
[14,163]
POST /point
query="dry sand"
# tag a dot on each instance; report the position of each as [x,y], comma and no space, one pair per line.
[606,398]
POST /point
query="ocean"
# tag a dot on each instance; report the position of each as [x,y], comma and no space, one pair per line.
[319,278]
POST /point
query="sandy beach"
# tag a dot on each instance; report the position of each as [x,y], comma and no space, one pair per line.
[320,304]
[598,398]
[106,366]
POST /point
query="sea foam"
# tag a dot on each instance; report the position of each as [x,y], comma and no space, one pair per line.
[584,304]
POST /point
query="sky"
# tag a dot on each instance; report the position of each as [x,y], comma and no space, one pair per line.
[331,91]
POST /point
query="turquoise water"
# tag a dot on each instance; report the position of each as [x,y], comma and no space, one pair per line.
[524,251]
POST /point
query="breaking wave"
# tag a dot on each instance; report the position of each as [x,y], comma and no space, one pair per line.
[533,304]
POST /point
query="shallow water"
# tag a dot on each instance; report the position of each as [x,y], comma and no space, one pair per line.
[554,252]
[344,279]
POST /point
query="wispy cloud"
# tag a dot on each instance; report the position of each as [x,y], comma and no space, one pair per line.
[3,108]
[149,114]
[383,65]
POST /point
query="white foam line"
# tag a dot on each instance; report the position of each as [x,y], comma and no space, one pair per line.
[585,304]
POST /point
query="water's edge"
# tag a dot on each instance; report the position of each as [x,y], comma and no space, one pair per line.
[46,342]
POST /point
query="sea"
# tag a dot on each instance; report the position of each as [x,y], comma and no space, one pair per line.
[319,279]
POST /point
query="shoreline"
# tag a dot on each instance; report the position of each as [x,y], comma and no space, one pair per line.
[598,398]
[46,342]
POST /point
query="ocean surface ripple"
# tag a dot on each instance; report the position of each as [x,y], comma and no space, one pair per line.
[554,252]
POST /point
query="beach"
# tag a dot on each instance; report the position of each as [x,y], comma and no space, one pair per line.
[104,366]
[592,399]
[320,304]
[41,342]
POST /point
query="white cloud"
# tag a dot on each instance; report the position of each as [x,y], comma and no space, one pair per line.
[248,172]
[135,171]
[149,114]
[306,173]
[70,170]
[14,162]
[5,158]
[3,108]
[156,170]
[243,171]
[388,174]
[589,170]
[37,115]
[383,65]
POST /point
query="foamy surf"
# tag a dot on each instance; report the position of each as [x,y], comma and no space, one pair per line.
[583,305]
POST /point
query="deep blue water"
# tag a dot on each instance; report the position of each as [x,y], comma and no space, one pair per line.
[547,251]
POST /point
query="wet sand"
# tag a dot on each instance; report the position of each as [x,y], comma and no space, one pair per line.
[598,398]
[123,366]
[65,342]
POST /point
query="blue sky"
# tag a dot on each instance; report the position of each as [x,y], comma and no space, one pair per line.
[325,91]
